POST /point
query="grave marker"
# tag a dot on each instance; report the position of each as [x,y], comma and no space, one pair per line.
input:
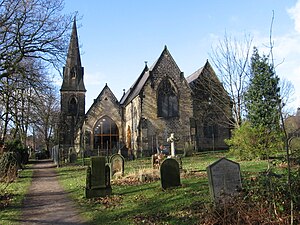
[172,140]
[117,164]
[72,157]
[98,178]
[224,179]
[169,173]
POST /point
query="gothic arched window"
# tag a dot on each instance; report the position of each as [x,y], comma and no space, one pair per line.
[73,106]
[167,100]
[106,134]
[210,126]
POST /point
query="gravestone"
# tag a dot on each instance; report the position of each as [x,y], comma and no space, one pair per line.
[224,179]
[72,157]
[169,173]
[55,154]
[172,140]
[98,178]
[117,164]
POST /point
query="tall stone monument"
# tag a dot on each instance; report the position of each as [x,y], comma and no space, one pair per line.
[172,140]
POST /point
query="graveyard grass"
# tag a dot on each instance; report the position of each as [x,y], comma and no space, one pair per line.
[133,202]
[15,192]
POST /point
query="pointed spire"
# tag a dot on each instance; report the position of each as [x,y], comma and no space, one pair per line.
[73,58]
[73,71]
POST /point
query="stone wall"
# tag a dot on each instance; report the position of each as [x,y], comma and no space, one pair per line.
[156,130]
[105,105]
[211,110]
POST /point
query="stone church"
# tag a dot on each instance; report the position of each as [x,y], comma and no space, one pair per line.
[161,101]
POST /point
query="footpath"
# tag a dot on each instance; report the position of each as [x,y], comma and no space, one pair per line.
[46,201]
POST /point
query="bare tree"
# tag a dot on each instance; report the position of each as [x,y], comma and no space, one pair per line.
[231,58]
[32,28]
[287,92]
[46,115]
[18,99]
[33,35]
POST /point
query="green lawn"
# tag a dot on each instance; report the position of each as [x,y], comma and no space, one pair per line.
[133,202]
[13,195]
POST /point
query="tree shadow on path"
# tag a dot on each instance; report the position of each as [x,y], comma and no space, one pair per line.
[46,202]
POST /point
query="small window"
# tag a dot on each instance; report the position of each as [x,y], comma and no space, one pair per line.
[73,106]
[167,100]
[73,73]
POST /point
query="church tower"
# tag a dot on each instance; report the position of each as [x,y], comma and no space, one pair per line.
[72,93]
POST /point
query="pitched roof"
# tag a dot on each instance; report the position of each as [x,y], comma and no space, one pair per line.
[200,72]
[164,53]
[105,89]
[194,75]
[136,88]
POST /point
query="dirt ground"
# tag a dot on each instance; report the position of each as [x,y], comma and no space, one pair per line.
[46,201]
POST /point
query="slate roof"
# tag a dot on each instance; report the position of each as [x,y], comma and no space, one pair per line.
[200,72]
[194,75]
[136,88]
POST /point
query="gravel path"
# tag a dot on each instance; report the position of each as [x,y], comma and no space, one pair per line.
[46,201]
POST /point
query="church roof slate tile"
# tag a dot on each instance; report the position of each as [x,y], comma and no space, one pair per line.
[142,79]
[194,75]
[135,89]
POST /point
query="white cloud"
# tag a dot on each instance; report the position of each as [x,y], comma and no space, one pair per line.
[294,12]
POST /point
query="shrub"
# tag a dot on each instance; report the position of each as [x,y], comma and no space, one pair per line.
[21,152]
[250,142]
[8,167]
[265,199]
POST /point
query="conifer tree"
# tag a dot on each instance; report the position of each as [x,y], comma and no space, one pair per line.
[262,105]
[263,95]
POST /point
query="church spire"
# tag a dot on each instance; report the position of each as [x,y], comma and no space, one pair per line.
[73,58]
[73,71]
[72,93]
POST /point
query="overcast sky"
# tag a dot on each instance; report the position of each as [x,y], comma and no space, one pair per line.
[118,36]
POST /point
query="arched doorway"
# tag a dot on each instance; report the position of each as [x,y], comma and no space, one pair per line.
[106,135]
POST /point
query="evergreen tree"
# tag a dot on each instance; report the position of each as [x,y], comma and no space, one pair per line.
[262,104]
[263,95]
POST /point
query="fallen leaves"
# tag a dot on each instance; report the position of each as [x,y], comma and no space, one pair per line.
[108,201]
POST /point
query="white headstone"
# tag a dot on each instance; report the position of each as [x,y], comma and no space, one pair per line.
[172,140]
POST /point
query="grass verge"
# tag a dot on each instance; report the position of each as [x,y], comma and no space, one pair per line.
[13,195]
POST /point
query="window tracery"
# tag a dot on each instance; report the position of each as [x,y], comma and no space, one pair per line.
[167,100]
